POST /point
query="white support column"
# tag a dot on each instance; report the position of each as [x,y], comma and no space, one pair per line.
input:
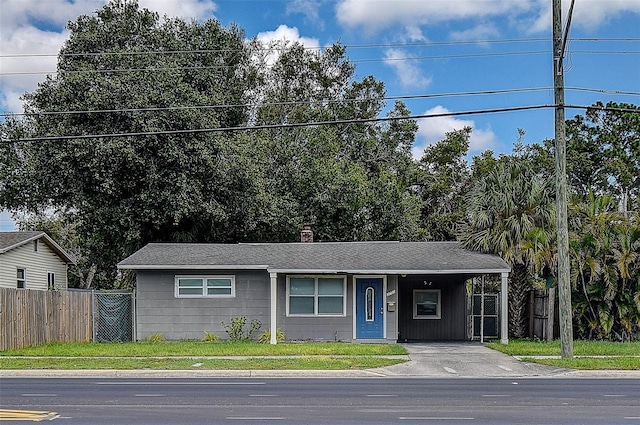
[274,305]
[504,309]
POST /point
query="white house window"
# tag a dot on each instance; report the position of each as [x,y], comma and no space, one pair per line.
[51,281]
[205,286]
[21,278]
[427,304]
[316,296]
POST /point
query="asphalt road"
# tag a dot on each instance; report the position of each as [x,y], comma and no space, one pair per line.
[321,401]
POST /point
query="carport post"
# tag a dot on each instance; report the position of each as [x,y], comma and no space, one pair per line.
[504,310]
[274,304]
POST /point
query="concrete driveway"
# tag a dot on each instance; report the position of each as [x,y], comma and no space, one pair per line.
[463,359]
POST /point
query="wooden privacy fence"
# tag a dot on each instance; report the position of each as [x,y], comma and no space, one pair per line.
[30,317]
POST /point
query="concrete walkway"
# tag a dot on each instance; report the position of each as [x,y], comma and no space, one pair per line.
[463,359]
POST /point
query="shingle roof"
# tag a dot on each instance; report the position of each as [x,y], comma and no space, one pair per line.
[11,240]
[319,257]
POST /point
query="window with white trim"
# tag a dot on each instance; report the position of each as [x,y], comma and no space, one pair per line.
[427,304]
[51,281]
[205,286]
[21,278]
[316,295]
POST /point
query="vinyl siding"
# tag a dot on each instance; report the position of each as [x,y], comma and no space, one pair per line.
[159,311]
[36,263]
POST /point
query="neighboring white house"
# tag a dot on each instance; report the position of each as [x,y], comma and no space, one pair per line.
[32,260]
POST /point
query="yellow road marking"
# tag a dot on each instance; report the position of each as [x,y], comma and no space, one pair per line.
[26,415]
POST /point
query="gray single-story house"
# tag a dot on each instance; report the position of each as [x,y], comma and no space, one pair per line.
[348,291]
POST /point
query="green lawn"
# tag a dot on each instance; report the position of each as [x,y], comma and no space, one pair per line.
[592,355]
[192,355]
[200,349]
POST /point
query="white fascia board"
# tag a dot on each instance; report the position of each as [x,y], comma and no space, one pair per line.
[192,266]
[400,272]
[22,242]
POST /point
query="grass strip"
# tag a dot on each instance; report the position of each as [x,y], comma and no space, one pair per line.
[271,363]
[591,363]
[197,348]
[580,348]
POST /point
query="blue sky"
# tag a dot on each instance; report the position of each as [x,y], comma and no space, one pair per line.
[421,48]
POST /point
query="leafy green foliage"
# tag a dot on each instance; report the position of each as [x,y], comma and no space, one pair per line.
[237,330]
[265,337]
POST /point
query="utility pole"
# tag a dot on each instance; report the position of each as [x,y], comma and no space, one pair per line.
[564,284]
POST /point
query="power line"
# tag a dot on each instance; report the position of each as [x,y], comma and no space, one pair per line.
[317,123]
[348,46]
[322,101]
[355,61]
[291,103]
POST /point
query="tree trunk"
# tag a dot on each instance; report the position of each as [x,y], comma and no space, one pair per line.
[518,295]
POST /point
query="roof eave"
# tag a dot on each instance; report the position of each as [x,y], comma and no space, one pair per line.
[192,266]
[398,272]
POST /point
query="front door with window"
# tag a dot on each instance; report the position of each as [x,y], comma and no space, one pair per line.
[369,308]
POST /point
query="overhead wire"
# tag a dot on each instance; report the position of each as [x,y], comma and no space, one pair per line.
[315,123]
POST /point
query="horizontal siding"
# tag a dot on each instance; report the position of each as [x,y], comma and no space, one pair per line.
[37,265]
[159,311]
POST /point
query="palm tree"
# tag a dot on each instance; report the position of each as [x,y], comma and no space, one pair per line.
[510,212]
[605,246]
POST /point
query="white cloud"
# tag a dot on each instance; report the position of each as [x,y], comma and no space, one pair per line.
[407,71]
[432,130]
[186,9]
[309,8]
[284,35]
[383,13]
[479,32]
[532,16]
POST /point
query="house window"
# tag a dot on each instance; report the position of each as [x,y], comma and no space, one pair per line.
[21,278]
[205,286]
[316,296]
[35,245]
[426,304]
[51,281]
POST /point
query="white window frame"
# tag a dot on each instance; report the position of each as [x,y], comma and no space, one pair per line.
[204,293]
[51,281]
[438,314]
[23,280]
[316,296]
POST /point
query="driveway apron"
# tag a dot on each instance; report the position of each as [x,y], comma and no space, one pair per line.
[463,359]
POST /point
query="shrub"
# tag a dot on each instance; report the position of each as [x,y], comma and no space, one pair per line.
[265,337]
[210,337]
[156,338]
[236,329]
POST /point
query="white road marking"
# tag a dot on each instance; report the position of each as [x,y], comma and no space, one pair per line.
[615,395]
[39,395]
[150,395]
[179,383]
[382,395]
[448,369]
[433,418]
[496,395]
[248,418]
[263,395]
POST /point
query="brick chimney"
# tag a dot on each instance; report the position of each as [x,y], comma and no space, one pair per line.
[306,235]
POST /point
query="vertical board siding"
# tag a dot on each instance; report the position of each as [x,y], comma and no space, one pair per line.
[32,317]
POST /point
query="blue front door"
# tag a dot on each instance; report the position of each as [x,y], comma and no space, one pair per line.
[369,308]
